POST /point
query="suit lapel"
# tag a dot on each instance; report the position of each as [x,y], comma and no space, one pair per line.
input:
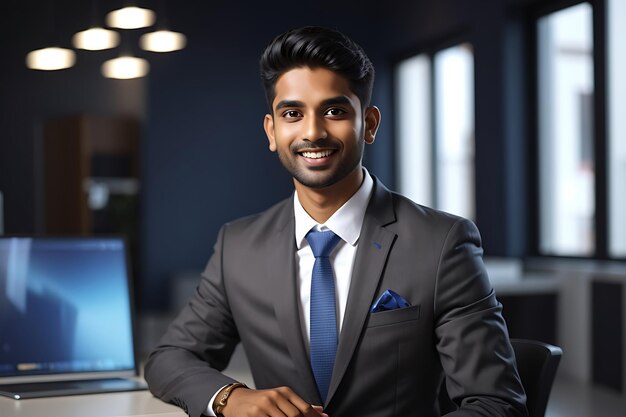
[281,265]
[374,245]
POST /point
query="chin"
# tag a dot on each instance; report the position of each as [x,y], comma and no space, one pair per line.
[316,184]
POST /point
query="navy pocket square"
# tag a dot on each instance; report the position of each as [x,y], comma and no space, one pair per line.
[389,300]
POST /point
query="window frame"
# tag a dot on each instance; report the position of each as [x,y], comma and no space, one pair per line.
[430,48]
[600,139]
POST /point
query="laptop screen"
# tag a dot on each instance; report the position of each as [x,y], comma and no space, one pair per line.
[65,309]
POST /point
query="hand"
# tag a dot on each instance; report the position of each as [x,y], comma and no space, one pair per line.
[276,402]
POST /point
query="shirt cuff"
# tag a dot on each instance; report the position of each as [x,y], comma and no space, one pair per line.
[209,408]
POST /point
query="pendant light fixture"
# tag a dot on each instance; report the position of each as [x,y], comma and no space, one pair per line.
[131,18]
[54,57]
[163,41]
[96,39]
[50,59]
[125,68]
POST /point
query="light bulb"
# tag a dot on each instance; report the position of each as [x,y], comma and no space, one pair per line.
[125,67]
[163,41]
[50,59]
[96,39]
[131,18]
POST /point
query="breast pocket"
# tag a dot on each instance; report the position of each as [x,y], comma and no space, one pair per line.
[391,317]
[389,352]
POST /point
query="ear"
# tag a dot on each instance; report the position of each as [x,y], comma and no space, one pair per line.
[372,121]
[268,125]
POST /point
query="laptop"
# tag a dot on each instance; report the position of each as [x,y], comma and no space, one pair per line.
[66,317]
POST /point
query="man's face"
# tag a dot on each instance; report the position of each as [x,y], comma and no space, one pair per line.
[317,126]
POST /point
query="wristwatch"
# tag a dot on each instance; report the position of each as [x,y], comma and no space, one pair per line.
[219,405]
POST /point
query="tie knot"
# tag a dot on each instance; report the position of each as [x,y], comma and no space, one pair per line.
[322,243]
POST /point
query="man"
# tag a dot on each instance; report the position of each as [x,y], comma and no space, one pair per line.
[366,326]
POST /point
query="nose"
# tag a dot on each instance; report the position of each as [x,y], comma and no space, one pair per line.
[315,128]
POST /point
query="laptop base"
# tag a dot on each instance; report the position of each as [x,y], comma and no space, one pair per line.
[60,388]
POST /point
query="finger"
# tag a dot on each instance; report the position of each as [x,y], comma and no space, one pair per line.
[287,407]
[320,410]
[303,407]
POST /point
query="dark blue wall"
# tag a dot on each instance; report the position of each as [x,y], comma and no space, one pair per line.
[205,159]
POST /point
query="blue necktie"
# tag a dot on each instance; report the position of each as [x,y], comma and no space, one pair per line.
[323,311]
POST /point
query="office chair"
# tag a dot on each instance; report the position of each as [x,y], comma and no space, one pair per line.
[537,363]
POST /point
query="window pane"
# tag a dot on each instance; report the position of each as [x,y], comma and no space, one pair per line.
[565,117]
[616,15]
[454,130]
[413,129]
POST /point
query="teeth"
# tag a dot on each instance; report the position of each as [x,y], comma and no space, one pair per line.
[316,155]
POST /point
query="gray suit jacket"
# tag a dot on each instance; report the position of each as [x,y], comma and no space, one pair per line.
[388,363]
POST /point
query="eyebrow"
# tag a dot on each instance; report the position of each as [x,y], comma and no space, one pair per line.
[328,102]
[336,100]
[289,103]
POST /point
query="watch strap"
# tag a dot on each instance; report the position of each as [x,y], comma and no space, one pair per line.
[224,395]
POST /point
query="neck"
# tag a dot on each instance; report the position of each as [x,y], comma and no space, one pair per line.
[322,203]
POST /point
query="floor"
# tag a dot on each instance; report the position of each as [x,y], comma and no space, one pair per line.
[572,399]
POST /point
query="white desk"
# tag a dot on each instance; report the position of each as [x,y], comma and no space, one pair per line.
[117,404]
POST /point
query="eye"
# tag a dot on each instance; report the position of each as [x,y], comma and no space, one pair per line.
[290,114]
[335,112]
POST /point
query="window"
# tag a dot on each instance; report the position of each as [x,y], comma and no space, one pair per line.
[565,118]
[413,120]
[454,130]
[435,129]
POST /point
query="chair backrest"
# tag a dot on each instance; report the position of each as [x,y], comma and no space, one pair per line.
[537,363]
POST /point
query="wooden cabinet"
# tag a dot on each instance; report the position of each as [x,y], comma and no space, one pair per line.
[90,163]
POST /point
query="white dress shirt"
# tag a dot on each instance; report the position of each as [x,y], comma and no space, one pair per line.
[346,223]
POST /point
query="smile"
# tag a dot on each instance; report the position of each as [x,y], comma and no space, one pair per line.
[317,154]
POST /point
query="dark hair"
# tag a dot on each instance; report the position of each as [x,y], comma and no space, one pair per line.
[317,47]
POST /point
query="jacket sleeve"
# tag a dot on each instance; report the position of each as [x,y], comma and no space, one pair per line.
[184,368]
[472,338]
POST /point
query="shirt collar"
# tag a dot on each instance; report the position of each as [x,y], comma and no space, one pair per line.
[346,222]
